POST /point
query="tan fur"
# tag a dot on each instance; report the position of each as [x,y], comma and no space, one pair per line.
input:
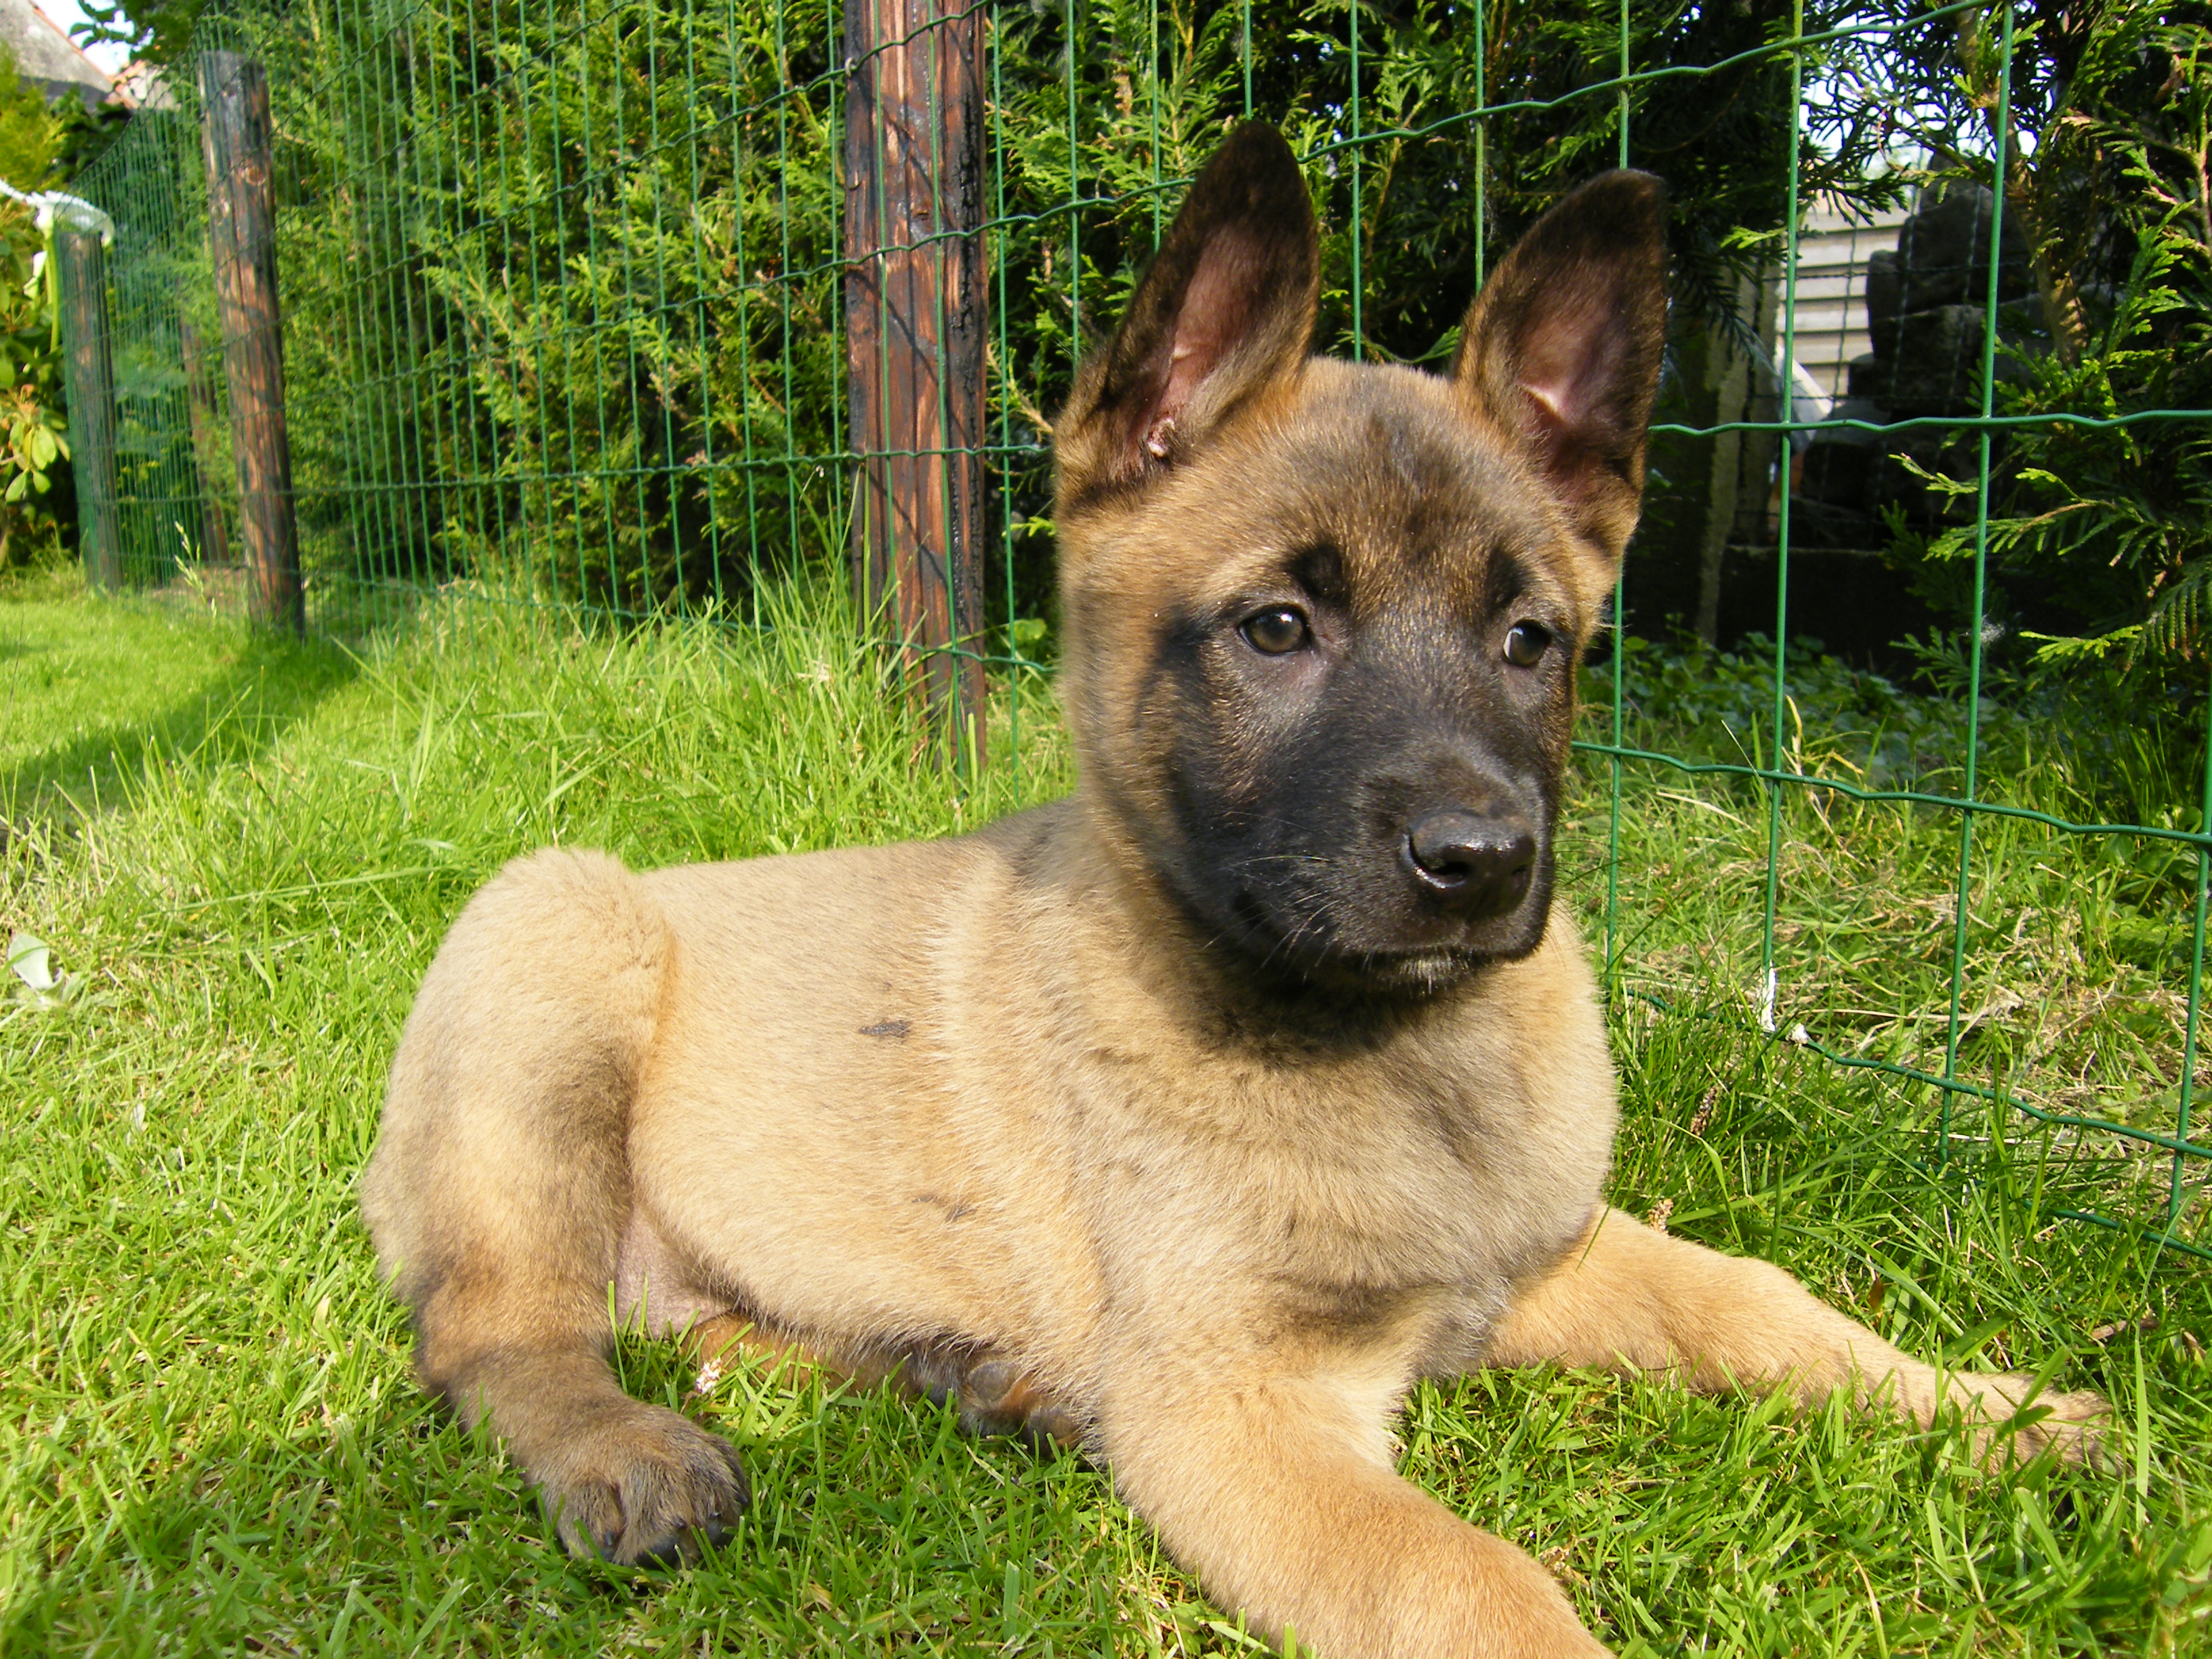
[1637,1302]
[996,1114]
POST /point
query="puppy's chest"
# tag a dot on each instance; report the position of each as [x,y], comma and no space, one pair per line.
[1417,1204]
[1420,1209]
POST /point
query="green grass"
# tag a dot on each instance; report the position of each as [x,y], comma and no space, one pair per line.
[2073,998]
[208,1441]
[87,702]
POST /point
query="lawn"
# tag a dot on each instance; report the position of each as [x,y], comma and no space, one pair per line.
[243,854]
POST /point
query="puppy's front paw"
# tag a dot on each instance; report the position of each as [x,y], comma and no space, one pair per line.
[2013,1422]
[640,1485]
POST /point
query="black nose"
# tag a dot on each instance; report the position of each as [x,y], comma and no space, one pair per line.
[1474,867]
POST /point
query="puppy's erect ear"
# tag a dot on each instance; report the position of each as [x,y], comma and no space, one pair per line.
[1226,309]
[1562,347]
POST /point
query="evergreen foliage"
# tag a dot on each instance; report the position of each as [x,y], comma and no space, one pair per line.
[564,299]
[562,293]
[2101,536]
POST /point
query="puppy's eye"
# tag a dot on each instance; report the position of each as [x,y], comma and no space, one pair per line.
[1278,630]
[1526,643]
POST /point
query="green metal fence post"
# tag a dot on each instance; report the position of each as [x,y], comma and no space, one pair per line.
[1969,791]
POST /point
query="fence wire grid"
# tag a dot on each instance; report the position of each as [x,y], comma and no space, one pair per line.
[568,298]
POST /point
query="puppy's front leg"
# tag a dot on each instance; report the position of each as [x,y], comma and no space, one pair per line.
[1280,1493]
[1631,1299]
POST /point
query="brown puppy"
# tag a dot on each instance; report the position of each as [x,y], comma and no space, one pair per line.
[1196,1116]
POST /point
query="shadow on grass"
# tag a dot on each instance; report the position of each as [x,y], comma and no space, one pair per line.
[272,684]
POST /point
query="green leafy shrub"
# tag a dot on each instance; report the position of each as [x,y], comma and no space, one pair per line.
[2099,534]
[563,292]
[32,425]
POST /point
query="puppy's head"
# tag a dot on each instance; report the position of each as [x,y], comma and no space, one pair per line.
[1323,620]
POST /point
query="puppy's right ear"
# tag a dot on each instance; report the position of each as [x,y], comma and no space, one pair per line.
[1226,309]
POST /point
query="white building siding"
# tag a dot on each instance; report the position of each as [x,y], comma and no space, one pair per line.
[1831,310]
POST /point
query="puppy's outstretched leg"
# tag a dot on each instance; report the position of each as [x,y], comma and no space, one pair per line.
[1279,1492]
[1631,1299]
[501,1189]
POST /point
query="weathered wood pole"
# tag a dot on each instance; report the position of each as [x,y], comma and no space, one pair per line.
[915,322]
[89,366]
[235,138]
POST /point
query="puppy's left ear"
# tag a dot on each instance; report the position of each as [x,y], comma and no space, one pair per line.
[1561,350]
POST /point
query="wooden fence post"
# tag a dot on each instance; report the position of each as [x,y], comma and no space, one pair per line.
[234,138]
[89,366]
[915,322]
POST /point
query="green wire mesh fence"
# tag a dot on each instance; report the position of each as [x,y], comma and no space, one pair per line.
[630,310]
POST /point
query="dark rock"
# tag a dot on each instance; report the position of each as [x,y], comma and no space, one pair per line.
[1851,599]
[1837,476]
[1943,252]
[1931,362]
[1884,288]
[1836,472]
[1824,525]
[1863,374]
